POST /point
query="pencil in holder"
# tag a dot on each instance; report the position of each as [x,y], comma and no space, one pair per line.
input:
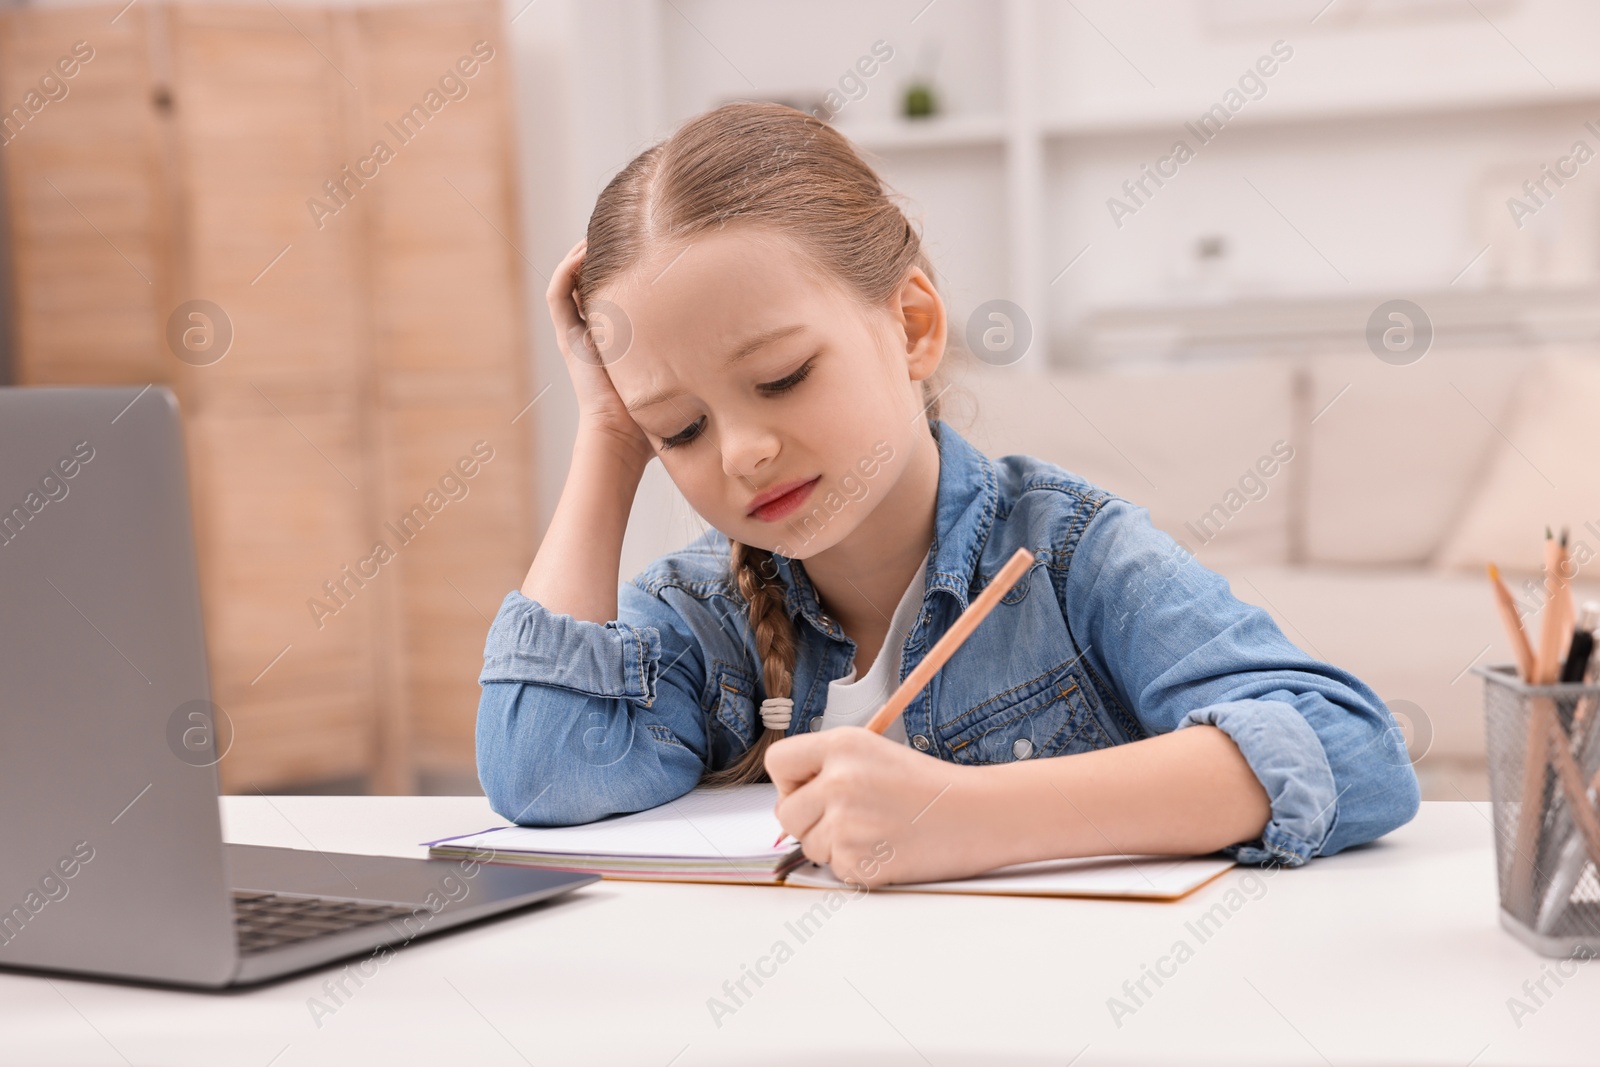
[1543,748]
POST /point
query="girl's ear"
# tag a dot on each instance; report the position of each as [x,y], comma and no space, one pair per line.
[920,313]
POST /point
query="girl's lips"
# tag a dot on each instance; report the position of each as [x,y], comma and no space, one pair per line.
[779,506]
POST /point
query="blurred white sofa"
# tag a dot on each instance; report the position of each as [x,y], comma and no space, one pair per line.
[1368,545]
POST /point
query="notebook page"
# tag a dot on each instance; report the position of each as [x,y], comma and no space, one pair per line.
[733,823]
[1135,877]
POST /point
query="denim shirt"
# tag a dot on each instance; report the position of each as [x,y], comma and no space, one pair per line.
[1116,633]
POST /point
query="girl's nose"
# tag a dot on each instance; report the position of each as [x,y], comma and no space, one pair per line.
[747,448]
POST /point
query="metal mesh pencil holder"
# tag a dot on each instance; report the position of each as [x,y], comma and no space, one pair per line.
[1543,747]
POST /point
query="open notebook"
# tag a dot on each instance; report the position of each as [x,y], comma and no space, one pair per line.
[725,835]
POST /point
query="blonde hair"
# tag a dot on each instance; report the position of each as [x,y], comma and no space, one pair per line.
[767,166]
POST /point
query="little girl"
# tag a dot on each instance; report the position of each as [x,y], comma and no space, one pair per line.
[751,308]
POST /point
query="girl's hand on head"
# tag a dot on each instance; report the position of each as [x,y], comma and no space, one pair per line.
[600,410]
[875,811]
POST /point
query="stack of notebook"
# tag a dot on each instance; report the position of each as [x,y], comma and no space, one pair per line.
[725,835]
[709,835]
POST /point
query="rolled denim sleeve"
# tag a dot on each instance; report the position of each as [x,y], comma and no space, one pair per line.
[528,643]
[1180,650]
[578,720]
[1288,759]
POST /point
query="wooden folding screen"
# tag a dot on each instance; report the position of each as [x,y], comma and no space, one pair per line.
[336,187]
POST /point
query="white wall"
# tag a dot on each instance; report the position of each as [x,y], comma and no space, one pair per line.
[587,105]
[1376,165]
[1388,144]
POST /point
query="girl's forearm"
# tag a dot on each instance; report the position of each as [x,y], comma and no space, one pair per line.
[1188,792]
[575,570]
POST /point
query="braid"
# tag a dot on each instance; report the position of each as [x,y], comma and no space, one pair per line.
[755,575]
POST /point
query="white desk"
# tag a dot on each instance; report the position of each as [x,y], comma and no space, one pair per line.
[1388,954]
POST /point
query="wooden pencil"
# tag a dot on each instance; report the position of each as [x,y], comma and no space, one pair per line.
[1542,721]
[1569,610]
[946,646]
[1513,624]
[1583,812]
[1547,660]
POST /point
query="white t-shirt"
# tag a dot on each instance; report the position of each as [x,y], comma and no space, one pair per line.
[852,701]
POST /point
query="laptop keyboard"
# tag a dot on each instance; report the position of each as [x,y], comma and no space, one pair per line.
[268,920]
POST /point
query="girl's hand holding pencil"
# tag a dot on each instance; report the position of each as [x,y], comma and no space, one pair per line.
[876,811]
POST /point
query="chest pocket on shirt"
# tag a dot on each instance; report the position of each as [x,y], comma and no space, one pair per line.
[1050,715]
[732,704]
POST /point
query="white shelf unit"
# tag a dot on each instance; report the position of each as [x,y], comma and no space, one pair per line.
[1030,136]
[929,133]
[1019,134]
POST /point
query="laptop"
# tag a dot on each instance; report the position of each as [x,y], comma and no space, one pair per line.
[112,861]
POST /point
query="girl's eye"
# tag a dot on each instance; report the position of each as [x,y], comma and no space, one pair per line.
[782,385]
[685,435]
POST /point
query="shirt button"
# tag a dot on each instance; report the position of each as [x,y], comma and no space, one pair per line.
[920,743]
[1022,748]
[816,723]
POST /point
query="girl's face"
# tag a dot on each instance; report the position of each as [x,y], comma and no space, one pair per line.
[783,410]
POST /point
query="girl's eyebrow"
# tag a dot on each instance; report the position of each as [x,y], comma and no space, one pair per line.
[749,346]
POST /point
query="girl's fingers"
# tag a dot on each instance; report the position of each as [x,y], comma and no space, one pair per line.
[560,296]
[792,761]
[801,812]
[561,279]
[817,844]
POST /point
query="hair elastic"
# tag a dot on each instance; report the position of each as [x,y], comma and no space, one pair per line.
[777,713]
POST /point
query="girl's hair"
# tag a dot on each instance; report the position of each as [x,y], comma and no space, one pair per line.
[765,166]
